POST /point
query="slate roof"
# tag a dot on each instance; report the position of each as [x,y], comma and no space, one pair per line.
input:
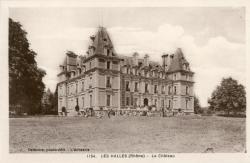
[101,39]
[178,61]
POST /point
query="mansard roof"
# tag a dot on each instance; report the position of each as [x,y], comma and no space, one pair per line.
[178,61]
[100,40]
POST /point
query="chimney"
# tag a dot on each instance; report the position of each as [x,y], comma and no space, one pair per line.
[171,57]
[71,60]
[146,62]
[135,58]
[165,61]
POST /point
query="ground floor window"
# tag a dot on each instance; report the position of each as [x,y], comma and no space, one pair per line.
[127,101]
[135,101]
[162,103]
[90,100]
[108,100]
[83,102]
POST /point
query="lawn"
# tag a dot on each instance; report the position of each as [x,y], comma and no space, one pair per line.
[129,134]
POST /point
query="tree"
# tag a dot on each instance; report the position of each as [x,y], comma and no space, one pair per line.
[55,100]
[229,97]
[25,78]
[197,107]
[49,102]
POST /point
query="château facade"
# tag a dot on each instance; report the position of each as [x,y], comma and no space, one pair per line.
[102,79]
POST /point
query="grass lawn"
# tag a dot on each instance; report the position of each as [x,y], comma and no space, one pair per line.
[129,134]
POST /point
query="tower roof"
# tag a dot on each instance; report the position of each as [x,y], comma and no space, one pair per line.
[178,62]
[101,40]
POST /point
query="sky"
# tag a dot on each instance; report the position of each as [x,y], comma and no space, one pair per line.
[211,38]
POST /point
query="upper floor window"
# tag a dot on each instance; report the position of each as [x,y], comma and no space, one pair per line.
[155,102]
[90,82]
[108,82]
[169,89]
[89,65]
[187,90]
[162,89]
[127,86]
[175,90]
[136,71]
[108,65]
[156,74]
[175,77]
[146,88]
[155,89]
[136,87]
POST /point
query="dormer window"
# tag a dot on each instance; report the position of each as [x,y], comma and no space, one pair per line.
[108,51]
[127,70]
